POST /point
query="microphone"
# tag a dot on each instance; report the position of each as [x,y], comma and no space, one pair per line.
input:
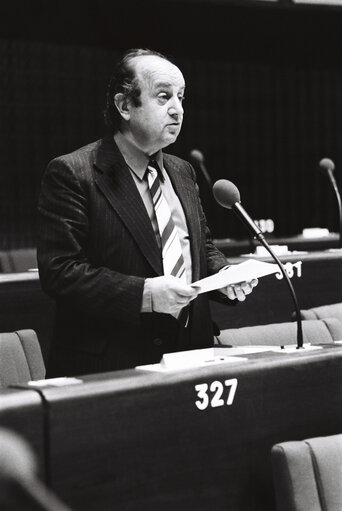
[228,196]
[198,157]
[18,465]
[327,167]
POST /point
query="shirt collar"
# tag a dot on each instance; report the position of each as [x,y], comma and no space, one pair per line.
[134,157]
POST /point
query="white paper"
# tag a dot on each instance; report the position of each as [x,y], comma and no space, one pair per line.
[223,360]
[178,361]
[55,382]
[243,272]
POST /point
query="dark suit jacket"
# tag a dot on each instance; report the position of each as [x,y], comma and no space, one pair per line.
[96,246]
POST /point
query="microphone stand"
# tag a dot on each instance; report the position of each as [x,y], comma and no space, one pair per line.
[338,197]
[262,240]
[228,196]
[238,209]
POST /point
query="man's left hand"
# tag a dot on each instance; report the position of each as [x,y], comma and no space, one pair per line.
[239,291]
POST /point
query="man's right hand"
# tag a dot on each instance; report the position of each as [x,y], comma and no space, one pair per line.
[170,294]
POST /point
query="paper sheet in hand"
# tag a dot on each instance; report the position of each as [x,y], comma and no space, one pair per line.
[248,270]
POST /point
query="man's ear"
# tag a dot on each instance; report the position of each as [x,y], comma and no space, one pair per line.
[123,105]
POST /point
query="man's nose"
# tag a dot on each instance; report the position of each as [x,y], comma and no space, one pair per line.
[176,108]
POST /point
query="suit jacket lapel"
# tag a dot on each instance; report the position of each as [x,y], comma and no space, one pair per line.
[115,181]
[187,194]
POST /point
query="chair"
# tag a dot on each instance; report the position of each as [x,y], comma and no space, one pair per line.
[23,259]
[20,488]
[323,331]
[5,262]
[307,474]
[333,310]
[21,358]
[18,260]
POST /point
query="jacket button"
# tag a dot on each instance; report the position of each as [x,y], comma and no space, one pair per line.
[158,341]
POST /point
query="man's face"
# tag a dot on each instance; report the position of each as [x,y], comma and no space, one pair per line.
[157,122]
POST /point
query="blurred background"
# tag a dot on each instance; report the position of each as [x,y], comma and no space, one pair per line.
[263,98]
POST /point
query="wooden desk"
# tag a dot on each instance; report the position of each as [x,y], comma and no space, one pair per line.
[136,440]
[232,247]
[24,305]
[320,284]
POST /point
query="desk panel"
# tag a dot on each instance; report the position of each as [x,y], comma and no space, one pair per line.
[271,301]
[131,440]
[232,247]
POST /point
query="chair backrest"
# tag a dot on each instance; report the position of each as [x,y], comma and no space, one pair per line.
[18,260]
[20,487]
[279,334]
[23,259]
[5,262]
[308,474]
[21,358]
[333,310]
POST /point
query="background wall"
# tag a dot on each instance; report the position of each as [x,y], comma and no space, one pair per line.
[263,99]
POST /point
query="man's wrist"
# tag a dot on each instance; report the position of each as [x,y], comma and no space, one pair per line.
[146,304]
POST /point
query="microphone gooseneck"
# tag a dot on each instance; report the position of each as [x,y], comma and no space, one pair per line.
[197,156]
[228,196]
[327,166]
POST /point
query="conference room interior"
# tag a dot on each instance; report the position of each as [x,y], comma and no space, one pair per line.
[255,422]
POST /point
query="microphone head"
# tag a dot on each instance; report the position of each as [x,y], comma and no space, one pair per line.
[195,154]
[326,165]
[226,193]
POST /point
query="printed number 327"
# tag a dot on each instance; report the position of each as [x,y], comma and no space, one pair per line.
[213,396]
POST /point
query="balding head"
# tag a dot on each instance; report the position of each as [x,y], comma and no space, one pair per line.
[152,120]
[125,81]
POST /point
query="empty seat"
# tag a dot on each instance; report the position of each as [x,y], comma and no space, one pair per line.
[5,262]
[18,260]
[21,358]
[20,487]
[333,310]
[308,474]
[279,334]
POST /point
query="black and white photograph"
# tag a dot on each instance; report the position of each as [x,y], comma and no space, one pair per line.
[171,255]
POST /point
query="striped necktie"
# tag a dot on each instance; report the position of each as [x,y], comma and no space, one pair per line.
[173,260]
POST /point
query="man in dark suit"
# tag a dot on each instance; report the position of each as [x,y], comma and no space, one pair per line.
[102,251]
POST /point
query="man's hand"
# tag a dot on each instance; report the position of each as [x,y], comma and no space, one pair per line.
[170,294]
[239,291]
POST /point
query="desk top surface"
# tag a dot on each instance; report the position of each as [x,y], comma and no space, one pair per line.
[139,379]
